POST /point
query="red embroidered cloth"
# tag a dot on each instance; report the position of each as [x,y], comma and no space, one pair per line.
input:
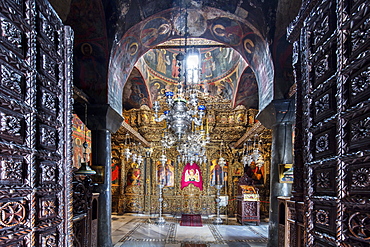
[191,220]
[192,175]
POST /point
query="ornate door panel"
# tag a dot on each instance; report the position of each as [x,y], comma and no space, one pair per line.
[333,67]
[35,135]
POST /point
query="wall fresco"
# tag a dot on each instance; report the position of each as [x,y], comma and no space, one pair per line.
[221,26]
[90,48]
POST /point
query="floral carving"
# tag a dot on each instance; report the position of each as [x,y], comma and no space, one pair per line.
[49,240]
[48,208]
[322,217]
[322,143]
[360,130]
[48,100]
[323,180]
[11,170]
[361,35]
[47,173]
[359,83]
[322,66]
[361,178]
[46,28]
[322,104]
[11,80]
[11,33]
[48,65]
[322,26]
[48,136]
[10,125]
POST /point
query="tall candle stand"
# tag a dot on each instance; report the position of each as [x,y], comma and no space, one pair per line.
[218,219]
[161,220]
[219,184]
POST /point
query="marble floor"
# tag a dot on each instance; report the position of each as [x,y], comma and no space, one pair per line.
[136,230]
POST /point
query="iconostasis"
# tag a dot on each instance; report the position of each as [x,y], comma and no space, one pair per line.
[188,188]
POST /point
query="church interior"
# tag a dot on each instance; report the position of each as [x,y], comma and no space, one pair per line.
[244,113]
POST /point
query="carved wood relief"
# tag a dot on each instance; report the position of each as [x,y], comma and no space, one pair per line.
[34,133]
[332,68]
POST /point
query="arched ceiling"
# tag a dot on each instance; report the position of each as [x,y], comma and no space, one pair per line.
[102,27]
[206,23]
[223,74]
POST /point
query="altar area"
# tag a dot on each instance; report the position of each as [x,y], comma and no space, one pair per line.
[135,184]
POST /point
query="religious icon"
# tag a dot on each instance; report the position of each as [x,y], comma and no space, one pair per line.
[192,175]
[165,173]
[134,175]
[238,171]
[116,171]
[255,172]
[175,66]
[216,175]
[208,65]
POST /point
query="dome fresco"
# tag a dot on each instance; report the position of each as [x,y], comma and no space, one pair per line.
[220,74]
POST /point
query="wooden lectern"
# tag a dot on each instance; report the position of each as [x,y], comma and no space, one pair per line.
[248,202]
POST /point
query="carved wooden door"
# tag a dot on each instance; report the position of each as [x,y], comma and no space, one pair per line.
[35,104]
[332,61]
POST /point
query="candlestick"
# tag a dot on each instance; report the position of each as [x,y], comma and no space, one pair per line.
[206,125]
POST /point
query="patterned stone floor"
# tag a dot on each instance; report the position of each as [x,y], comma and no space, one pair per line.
[141,231]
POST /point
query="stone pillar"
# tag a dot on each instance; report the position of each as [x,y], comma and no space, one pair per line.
[279,116]
[102,121]
[101,156]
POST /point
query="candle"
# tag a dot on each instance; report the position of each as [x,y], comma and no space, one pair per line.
[206,125]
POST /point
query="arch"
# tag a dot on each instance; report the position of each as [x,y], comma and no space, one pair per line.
[213,24]
[136,91]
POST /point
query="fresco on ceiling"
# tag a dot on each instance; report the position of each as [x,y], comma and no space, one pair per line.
[130,45]
[255,51]
[247,93]
[215,63]
[196,27]
[90,55]
[221,26]
[223,88]
[135,93]
[227,31]
[219,87]
[155,31]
